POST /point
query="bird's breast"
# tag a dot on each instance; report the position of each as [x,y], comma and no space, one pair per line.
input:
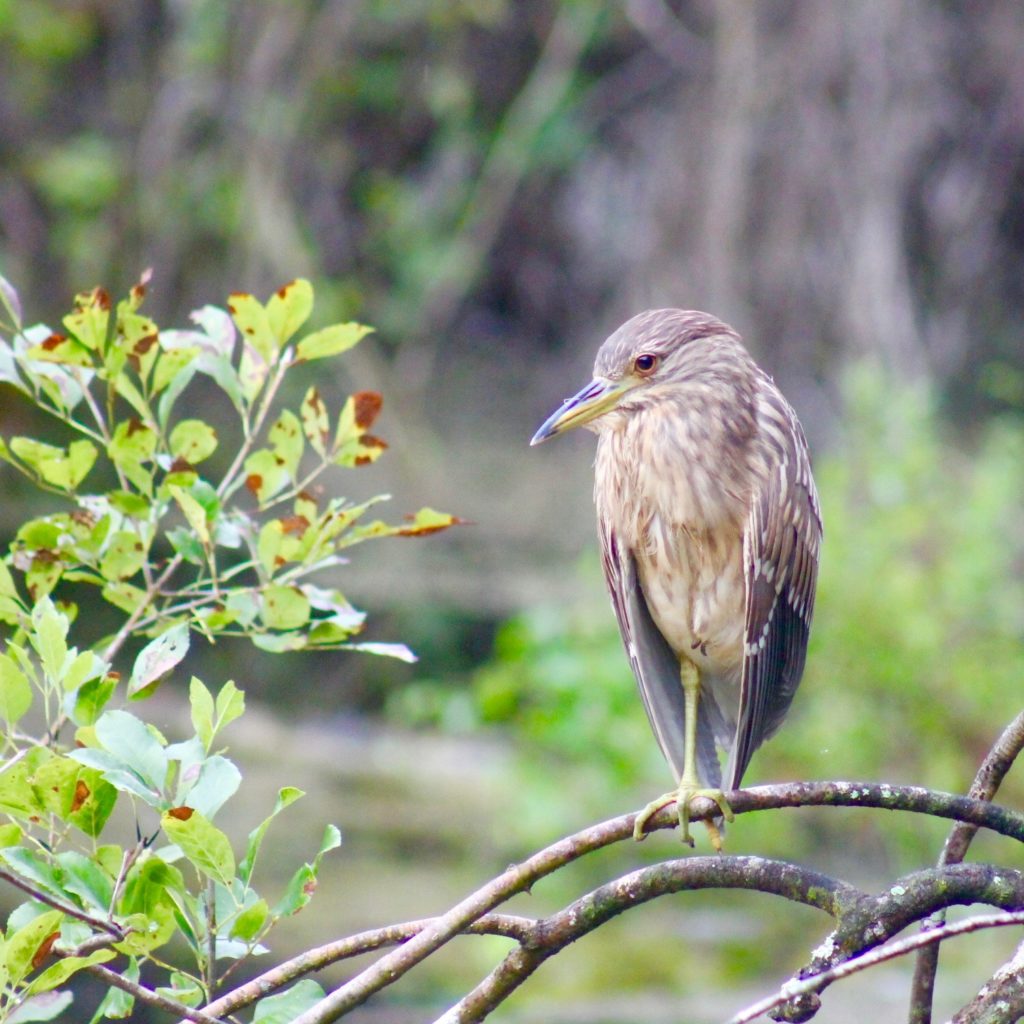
[681,512]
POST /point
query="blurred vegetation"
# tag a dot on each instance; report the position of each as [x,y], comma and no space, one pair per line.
[915,652]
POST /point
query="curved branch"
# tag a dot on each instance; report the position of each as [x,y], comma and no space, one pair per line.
[508,926]
[554,933]
[520,877]
[877,919]
[1001,998]
[997,763]
[809,987]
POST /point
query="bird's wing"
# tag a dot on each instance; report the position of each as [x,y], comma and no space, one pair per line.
[655,665]
[780,551]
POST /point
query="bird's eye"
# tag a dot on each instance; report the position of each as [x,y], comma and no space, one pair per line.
[645,363]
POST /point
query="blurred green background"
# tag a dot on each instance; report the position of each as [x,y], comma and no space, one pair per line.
[496,186]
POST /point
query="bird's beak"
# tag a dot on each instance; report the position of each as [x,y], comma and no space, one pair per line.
[596,398]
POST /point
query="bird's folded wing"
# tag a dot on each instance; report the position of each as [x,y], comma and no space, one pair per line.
[656,666]
[780,549]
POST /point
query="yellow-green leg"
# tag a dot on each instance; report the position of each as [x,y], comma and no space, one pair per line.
[689,785]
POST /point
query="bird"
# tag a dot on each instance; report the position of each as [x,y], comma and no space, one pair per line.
[710,531]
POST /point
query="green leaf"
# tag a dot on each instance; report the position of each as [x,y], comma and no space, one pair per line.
[83,667]
[218,781]
[230,705]
[132,446]
[302,884]
[92,802]
[170,364]
[118,1004]
[183,988]
[87,880]
[7,584]
[130,504]
[90,319]
[285,798]
[286,439]
[56,974]
[288,309]
[204,845]
[45,1006]
[151,886]
[201,701]
[58,348]
[353,444]
[63,469]
[86,704]
[315,423]
[330,341]
[36,868]
[249,922]
[10,835]
[252,321]
[22,947]
[194,514]
[15,690]
[124,596]
[285,608]
[265,474]
[124,556]
[193,441]
[158,658]
[49,638]
[286,1006]
[17,796]
[187,544]
[130,740]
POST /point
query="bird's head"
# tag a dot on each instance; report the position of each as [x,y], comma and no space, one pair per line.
[648,357]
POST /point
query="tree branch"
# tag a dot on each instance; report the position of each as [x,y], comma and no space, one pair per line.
[809,987]
[986,784]
[114,931]
[506,925]
[554,933]
[390,967]
[1002,997]
[875,920]
[148,996]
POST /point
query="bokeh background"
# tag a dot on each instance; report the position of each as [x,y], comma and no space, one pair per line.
[496,185]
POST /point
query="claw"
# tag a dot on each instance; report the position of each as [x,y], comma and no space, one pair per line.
[640,823]
[682,798]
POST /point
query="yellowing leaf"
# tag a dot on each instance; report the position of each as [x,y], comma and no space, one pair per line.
[314,421]
[330,341]
[285,608]
[193,441]
[251,318]
[202,843]
[289,308]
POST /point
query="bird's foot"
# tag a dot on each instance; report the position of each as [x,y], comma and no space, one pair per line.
[682,798]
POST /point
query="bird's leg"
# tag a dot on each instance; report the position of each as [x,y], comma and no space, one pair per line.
[689,785]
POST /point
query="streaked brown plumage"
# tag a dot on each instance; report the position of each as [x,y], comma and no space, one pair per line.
[710,529]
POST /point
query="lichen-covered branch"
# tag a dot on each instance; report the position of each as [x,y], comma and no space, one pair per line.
[797,989]
[986,784]
[554,933]
[518,878]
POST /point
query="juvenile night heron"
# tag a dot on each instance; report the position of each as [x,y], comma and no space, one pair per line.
[710,528]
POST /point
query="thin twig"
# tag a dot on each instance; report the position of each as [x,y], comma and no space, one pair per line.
[506,925]
[986,784]
[812,985]
[115,931]
[148,996]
